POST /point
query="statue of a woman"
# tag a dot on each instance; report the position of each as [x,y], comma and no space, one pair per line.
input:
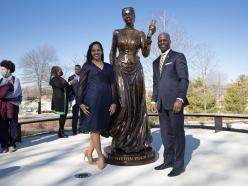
[130,130]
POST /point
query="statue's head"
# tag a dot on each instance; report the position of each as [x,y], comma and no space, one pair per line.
[128,15]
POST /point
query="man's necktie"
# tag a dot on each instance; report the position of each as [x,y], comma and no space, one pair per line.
[161,62]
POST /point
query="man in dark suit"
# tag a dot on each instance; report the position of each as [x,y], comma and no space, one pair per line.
[72,99]
[170,84]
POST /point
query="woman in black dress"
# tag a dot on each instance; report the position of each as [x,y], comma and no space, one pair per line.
[96,98]
[60,97]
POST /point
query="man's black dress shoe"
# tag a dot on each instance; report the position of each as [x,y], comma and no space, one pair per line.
[163,166]
[62,135]
[176,172]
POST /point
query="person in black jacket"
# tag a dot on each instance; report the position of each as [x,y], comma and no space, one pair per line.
[60,97]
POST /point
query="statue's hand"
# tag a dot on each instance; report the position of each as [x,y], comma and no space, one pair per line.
[152,28]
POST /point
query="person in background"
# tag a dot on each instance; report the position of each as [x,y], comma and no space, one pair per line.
[72,99]
[60,97]
[10,130]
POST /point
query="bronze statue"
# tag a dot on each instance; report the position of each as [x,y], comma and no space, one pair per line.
[130,130]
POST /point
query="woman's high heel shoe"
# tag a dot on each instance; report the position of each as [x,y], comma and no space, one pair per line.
[89,157]
[101,163]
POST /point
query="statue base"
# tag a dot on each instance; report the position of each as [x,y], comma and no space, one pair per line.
[143,157]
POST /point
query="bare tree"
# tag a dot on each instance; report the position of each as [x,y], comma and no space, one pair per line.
[68,68]
[203,63]
[217,83]
[180,41]
[200,57]
[36,65]
[79,60]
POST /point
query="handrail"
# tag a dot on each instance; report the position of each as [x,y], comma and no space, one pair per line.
[243,116]
[218,118]
[36,120]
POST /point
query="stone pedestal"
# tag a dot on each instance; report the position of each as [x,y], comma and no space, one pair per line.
[130,159]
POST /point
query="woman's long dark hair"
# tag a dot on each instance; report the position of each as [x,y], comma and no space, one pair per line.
[89,56]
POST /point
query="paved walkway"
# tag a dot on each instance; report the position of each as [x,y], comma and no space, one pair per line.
[214,159]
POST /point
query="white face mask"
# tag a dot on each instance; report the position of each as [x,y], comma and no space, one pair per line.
[4,72]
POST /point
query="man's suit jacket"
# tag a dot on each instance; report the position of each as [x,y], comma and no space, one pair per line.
[73,88]
[173,81]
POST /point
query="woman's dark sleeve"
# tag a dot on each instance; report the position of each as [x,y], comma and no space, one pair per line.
[82,84]
[59,82]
